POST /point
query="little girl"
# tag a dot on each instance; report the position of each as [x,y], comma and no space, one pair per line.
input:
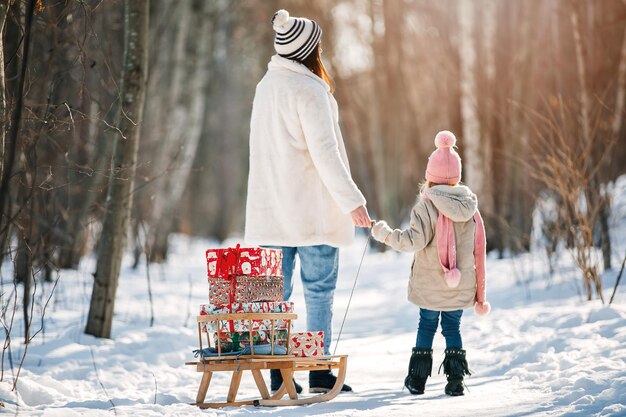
[448,272]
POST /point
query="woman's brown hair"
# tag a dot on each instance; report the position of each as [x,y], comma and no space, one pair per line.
[314,62]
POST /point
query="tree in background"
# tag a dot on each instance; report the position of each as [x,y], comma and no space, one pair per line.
[23,274]
[119,199]
[4,11]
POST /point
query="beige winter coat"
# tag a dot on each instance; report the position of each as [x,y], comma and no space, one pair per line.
[427,287]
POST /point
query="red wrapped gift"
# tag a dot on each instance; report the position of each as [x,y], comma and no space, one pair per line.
[245,289]
[226,262]
[307,344]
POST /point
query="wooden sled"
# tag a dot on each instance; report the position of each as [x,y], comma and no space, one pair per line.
[287,364]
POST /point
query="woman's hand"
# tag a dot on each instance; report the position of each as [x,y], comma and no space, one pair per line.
[360,217]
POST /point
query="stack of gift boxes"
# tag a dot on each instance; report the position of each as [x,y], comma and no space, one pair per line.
[249,280]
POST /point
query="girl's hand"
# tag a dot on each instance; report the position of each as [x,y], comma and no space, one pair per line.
[360,217]
[381,230]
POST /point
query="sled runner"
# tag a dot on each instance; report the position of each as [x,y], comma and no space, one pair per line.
[214,359]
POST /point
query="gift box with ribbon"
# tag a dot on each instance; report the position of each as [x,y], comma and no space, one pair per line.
[238,261]
[245,289]
[236,341]
[246,325]
[309,344]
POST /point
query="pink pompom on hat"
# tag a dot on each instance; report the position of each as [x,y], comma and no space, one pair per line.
[444,165]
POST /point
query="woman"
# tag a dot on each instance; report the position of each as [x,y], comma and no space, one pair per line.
[301,196]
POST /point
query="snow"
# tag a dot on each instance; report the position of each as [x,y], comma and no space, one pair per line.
[543,351]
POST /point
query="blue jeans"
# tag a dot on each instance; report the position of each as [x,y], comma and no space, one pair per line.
[318,270]
[450,328]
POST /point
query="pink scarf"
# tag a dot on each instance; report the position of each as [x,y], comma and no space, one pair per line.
[446,249]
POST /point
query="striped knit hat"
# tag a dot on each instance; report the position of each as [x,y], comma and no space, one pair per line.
[295,36]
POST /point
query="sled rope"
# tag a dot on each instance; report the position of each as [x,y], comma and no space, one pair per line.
[352,292]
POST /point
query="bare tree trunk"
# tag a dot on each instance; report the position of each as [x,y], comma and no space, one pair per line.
[227,148]
[375,125]
[96,130]
[398,129]
[523,63]
[5,228]
[65,88]
[390,130]
[72,252]
[618,115]
[602,201]
[4,10]
[24,261]
[605,236]
[119,199]
[167,84]
[616,127]
[471,124]
[486,73]
[29,244]
[176,182]
[5,186]
[582,78]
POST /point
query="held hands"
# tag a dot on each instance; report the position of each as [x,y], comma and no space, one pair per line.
[360,217]
[381,230]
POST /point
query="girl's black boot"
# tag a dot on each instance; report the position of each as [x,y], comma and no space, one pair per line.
[455,367]
[420,367]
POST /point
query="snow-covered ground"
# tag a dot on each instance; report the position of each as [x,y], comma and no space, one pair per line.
[542,350]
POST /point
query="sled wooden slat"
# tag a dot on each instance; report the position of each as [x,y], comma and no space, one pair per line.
[204,386]
[325,358]
[226,404]
[234,386]
[234,365]
[287,375]
[238,365]
[260,383]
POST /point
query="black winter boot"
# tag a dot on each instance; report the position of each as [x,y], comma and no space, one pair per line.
[324,381]
[420,367]
[455,367]
[276,380]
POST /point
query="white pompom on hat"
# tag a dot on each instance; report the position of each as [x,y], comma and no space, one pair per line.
[279,19]
[295,36]
[444,164]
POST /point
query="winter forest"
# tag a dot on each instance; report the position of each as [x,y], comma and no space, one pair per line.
[124,155]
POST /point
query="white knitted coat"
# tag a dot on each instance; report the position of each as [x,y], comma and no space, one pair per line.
[300,191]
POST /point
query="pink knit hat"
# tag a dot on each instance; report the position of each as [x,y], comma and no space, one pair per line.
[444,165]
